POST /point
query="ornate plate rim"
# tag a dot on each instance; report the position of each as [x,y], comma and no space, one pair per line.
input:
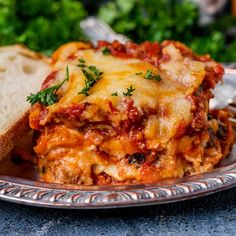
[90,197]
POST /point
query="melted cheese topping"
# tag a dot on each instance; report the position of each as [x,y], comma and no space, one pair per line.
[179,76]
[87,147]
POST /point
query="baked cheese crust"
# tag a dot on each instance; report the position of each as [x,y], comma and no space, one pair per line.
[144,117]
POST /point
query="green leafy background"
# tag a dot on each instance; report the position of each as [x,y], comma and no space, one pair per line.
[43,25]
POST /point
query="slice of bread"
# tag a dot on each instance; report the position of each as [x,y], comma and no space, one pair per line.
[22,72]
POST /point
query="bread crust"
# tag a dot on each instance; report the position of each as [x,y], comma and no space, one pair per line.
[16,129]
[11,136]
[23,50]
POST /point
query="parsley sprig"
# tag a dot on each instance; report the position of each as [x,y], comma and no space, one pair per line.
[114,94]
[81,60]
[92,75]
[129,91]
[48,96]
[106,51]
[149,75]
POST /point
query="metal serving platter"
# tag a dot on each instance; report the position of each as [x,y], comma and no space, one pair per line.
[18,181]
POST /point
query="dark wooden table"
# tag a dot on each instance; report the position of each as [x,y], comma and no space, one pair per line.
[211,215]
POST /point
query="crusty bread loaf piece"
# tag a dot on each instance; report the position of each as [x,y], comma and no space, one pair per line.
[21,73]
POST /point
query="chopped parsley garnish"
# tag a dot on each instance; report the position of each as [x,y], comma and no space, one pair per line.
[106,51]
[92,75]
[129,91]
[149,75]
[95,70]
[81,65]
[114,94]
[47,96]
[81,60]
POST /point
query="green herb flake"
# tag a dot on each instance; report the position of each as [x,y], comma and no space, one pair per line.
[129,91]
[106,51]
[114,94]
[81,63]
[81,60]
[150,76]
[48,96]
[95,70]
[67,74]
[139,73]
[92,75]
[157,77]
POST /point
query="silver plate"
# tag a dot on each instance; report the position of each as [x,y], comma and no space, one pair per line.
[18,183]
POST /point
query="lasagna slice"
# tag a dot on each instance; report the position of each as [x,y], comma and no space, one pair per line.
[123,114]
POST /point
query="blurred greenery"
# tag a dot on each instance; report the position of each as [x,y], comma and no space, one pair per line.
[170,19]
[45,24]
[153,20]
[42,25]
